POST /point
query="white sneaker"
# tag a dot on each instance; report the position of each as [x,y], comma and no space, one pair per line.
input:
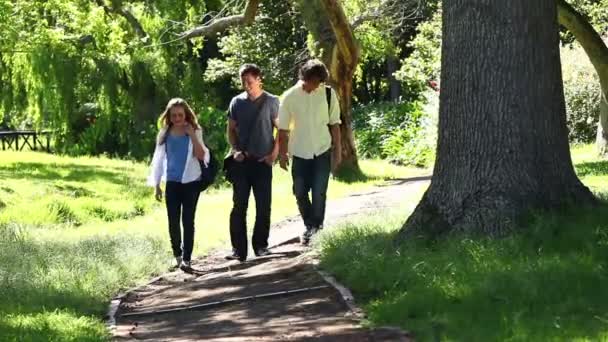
[178,261]
[186,264]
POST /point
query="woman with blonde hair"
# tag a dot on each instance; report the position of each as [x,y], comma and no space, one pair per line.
[179,150]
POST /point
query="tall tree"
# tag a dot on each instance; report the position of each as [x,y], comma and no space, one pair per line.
[502,141]
[597,51]
[326,21]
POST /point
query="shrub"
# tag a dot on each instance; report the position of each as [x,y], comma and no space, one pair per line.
[404,133]
[582,93]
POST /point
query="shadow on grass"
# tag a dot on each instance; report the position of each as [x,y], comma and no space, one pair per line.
[73,172]
[350,175]
[598,168]
[544,283]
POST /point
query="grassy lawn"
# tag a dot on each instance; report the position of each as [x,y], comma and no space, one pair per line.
[547,283]
[75,231]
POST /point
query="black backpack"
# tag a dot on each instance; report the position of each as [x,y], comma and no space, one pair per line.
[209,172]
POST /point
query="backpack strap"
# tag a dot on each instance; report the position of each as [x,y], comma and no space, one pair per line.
[328,97]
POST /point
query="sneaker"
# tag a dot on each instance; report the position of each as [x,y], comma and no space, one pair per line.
[178,261]
[305,238]
[186,264]
[232,256]
[262,252]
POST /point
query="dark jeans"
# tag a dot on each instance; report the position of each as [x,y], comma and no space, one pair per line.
[181,200]
[247,175]
[311,175]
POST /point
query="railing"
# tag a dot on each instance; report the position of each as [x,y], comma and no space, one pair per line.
[17,140]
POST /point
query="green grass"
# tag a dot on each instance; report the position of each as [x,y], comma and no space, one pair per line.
[76,231]
[546,283]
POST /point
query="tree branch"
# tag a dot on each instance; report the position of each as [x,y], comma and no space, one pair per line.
[376,14]
[394,10]
[139,30]
[586,35]
[218,25]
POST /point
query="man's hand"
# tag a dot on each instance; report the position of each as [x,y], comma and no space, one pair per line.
[336,159]
[239,156]
[284,161]
[158,193]
[269,159]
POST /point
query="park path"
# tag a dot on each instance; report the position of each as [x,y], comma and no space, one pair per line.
[280,297]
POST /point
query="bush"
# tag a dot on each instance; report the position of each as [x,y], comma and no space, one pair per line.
[582,93]
[404,133]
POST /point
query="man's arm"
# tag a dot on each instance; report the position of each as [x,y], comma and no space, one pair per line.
[283,143]
[336,140]
[232,134]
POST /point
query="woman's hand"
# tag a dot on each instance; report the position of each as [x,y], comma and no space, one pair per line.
[158,193]
[189,130]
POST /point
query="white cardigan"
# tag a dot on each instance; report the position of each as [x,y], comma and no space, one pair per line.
[158,167]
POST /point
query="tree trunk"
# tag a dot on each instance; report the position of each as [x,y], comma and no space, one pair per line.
[597,51]
[392,65]
[327,23]
[502,141]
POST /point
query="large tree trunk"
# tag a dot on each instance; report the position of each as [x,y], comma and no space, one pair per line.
[597,51]
[502,141]
[327,22]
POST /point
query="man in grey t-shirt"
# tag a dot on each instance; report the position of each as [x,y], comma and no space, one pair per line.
[252,118]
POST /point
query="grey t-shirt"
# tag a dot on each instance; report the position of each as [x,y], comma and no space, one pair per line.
[256,133]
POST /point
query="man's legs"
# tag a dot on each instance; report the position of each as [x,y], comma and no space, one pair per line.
[320,181]
[241,188]
[301,172]
[261,180]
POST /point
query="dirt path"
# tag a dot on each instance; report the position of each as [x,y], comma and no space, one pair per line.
[297,303]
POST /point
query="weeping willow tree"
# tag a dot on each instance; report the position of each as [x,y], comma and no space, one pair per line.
[97,73]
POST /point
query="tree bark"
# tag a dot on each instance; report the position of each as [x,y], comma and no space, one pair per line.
[502,141]
[326,21]
[597,51]
[392,65]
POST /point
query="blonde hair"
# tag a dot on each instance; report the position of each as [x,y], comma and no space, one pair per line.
[164,121]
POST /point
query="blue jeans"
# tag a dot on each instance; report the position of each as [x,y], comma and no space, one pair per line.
[246,176]
[181,200]
[311,175]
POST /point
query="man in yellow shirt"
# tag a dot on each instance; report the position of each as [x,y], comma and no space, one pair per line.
[309,124]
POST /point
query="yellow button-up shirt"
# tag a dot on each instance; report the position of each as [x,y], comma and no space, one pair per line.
[306,116]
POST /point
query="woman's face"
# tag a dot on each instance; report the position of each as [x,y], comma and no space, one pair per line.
[177,115]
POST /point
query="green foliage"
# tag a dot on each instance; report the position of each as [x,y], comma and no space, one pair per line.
[595,11]
[213,122]
[581,84]
[424,63]
[276,43]
[582,92]
[72,67]
[404,133]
